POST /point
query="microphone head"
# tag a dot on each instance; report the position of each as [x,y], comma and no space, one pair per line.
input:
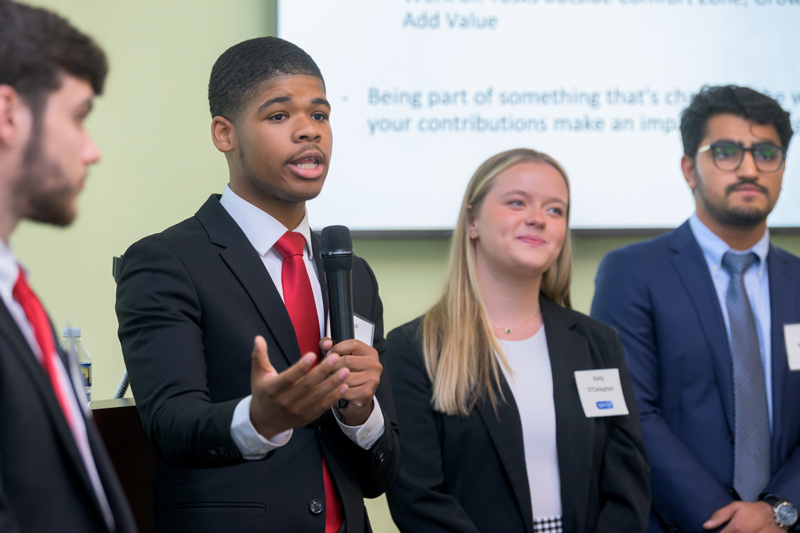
[337,248]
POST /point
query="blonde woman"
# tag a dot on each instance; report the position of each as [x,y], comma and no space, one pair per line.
[493,431]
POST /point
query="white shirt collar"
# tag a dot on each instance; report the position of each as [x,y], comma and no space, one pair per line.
[9,269]
[260,228]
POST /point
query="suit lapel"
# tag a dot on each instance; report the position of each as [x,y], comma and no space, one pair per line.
[315,252]
[505,430]
[568,352]
[43,389]
[115,494]
[574,432]
[692,269]
[242,259]
[783,309]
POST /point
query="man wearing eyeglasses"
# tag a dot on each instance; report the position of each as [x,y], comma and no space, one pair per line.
[704,313]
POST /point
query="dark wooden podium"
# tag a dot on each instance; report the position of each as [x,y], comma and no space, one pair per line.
[130,451]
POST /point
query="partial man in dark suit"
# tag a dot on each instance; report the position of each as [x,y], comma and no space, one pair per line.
[55,474]
[257,443]
[704,313]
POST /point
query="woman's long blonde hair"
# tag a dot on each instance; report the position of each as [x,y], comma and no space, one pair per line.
[457,336]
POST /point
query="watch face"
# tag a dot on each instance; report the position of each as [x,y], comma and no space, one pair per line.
[785,514]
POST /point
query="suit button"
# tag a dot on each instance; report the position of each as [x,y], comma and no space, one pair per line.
[219,452]
[381,457]
[315,506]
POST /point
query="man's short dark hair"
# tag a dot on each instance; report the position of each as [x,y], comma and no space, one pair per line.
[731,99]
[242,68]
[37,47]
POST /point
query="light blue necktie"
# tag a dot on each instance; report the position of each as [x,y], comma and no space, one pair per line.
[751,453]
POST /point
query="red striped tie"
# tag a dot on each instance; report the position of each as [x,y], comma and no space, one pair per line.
[299,300]
[44,337]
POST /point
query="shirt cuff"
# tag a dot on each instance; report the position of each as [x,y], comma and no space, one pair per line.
[366,435]
[251,444]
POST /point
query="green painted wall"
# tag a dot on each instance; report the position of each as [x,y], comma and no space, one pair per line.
[153,128]
[159,165]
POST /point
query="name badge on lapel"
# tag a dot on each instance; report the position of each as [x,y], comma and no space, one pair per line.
[364,330]
[601,392]
[791,334]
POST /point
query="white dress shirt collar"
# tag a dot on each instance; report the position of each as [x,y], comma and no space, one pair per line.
[260,228]
[9,270]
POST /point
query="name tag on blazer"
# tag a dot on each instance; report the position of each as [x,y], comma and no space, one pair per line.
[364,330]
[791,334]
[601,392]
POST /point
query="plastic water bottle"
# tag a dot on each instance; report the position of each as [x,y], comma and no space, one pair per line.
[73,346]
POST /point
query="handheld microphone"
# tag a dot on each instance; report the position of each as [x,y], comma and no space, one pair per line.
[337,260]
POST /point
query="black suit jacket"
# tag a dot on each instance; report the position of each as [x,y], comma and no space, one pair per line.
[190,301]
[468,474]
[44,485]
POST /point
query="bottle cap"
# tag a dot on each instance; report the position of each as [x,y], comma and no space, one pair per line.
[71,332]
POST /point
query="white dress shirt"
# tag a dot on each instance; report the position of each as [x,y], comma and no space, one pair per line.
[263,231]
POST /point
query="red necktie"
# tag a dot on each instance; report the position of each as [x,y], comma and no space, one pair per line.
[299,300]
[44,337]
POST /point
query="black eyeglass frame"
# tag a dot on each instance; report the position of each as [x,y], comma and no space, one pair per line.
[753,149]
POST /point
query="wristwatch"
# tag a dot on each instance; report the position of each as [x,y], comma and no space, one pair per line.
[784,512]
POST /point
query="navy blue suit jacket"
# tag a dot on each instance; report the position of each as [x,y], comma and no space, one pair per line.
[660,297]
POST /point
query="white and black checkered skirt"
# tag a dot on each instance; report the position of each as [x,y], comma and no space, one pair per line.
[551,524]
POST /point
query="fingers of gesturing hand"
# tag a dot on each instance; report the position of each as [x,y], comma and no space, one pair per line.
[299,387]
[296,396]
[261,365]
[300,409]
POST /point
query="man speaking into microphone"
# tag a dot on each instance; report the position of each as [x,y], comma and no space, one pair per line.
[257,442]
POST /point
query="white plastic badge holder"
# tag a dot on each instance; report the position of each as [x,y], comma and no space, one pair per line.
[601,392]
[364,330]
[791,334]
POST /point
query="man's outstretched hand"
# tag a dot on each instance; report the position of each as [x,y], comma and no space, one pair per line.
[296,396]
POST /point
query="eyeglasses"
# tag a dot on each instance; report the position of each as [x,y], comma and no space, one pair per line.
[728,156]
